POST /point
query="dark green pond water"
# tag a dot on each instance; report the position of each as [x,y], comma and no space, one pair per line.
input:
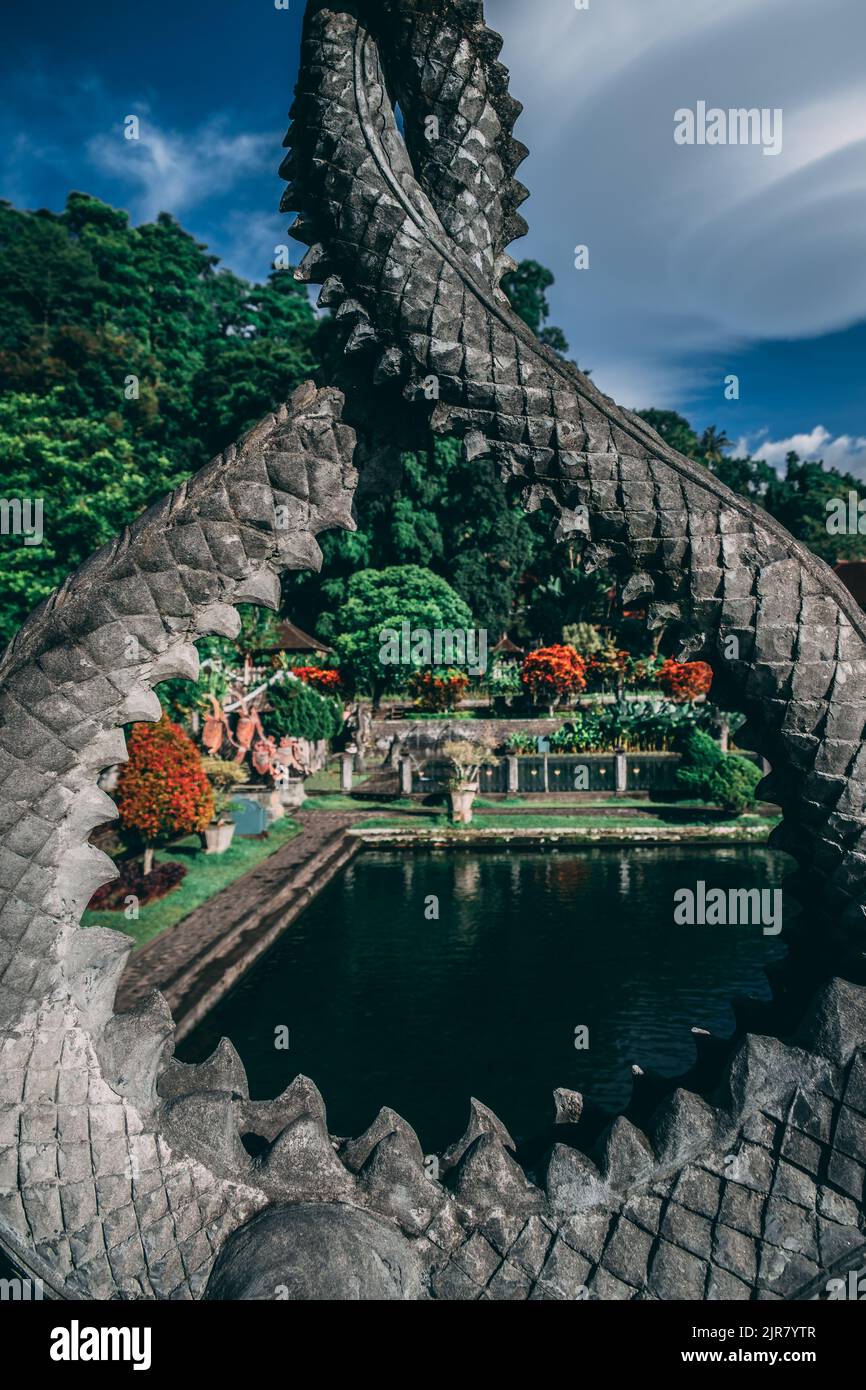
[385,1007]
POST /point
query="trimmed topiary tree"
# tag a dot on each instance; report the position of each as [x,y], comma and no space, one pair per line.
[163,790]
[726,779]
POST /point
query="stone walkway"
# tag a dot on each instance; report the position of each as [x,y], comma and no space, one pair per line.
[196,962]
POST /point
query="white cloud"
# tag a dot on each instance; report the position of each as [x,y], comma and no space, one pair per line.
[247,242]
[845,452]
[173,172]
[693,249]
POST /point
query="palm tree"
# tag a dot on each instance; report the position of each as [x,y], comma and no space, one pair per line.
[713,444]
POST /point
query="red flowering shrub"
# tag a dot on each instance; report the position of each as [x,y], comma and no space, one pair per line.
[550,673]
[323,679]
[162,792]
[111,897]
[438,692]
[685,680]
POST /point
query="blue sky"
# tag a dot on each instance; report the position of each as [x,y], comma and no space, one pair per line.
[703,261]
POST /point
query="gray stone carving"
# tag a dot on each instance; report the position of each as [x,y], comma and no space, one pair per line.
[123,1173]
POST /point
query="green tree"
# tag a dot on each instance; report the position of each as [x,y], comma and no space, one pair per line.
[149,360]
[799,501]
[91,481]
[299,711]
[727,779]
[378,601]
[527,287]
[674,430]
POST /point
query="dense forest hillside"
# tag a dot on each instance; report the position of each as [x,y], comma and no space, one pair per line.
[128,357]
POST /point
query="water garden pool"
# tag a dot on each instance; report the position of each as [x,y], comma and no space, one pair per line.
[387,1006]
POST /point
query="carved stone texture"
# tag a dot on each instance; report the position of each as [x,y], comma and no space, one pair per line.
[123,1171]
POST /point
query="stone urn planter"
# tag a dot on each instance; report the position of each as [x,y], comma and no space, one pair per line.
[293,794]
[218,836]
[461,798]
[467,757]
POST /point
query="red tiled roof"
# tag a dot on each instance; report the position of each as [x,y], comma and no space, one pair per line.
[506,647]
[291,638]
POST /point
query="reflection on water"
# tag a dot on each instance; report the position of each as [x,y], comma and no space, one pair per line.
[386,1007]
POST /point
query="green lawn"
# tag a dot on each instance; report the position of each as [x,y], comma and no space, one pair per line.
[206,875]
[328,780]
[349,803]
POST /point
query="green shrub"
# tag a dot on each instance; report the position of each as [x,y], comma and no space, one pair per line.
[299,711]
[723,778]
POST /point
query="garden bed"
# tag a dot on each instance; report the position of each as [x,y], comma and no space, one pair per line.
[206,875]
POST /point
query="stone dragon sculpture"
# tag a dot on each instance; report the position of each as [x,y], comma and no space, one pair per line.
[123,1172]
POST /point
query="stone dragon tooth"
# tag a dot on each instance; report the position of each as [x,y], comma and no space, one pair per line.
[362,337]
[639,584]
[573,1183]
[220,618]
[205,1123]
[95,961]
[682,1125]
[764,1073]
[84,869]
[180,662]
[835,1021]
[223,1070]
[89,808]
[481,1121]
[489,1182]
[261,587]
[395,1183]
[389,366]
[134,1049]
[301,1164]
[625,1155]
[105,750]
[355,1152]
[269,1117]
[313,266]
[332,292]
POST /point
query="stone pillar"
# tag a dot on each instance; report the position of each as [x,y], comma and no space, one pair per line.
[621,774]
[546,787]
[406,776]
[513,774]
[724,735]
[347,763]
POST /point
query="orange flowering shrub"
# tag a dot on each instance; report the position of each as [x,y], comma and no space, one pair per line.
[438,692]
[163,792]
[322,678]
[685,680]
[553,672]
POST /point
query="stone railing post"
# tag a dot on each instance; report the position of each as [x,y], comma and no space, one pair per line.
[513,774]
[406,776]
[621,774]
[347,764]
